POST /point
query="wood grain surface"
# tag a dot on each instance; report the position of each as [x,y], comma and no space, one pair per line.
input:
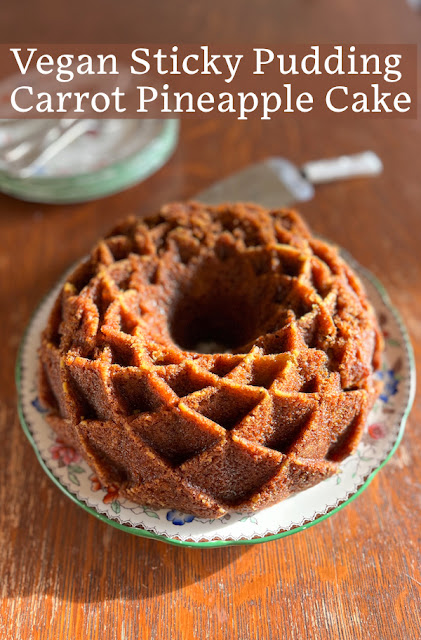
[64,574]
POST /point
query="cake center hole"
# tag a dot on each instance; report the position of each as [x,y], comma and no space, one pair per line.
[215,322]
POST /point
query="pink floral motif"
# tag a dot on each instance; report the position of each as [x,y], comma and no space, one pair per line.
[95,483]
[111,492]
[111,495]
[63,453]
[376,431]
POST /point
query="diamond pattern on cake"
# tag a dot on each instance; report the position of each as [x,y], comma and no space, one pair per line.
[211,358]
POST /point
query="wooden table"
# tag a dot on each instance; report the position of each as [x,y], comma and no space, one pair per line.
[65,574]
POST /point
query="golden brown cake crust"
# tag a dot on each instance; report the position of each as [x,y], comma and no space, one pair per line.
[211,358]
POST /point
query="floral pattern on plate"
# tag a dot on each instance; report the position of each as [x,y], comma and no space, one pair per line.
[381,437]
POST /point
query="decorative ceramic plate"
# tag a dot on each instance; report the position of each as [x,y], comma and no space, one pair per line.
[381,437]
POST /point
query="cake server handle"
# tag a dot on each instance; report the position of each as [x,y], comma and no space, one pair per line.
[366,163]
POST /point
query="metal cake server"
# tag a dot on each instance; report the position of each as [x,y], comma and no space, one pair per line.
[276,182]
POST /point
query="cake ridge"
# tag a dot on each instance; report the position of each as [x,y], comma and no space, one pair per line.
[279,399]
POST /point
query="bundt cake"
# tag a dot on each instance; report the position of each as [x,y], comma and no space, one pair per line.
[211,358]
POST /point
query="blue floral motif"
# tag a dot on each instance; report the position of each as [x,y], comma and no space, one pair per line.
[178,517]
[38,406]
[390,386]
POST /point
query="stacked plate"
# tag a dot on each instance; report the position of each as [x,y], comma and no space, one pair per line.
[100,157]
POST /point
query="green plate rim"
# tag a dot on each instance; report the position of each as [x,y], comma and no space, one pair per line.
[251,541]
